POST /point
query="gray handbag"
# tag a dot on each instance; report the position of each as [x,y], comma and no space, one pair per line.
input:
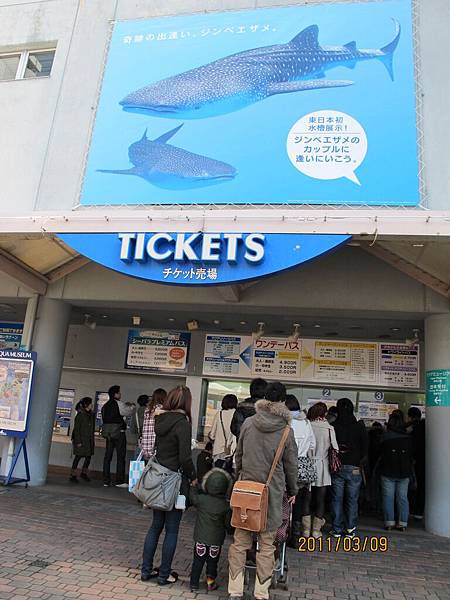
[158,487]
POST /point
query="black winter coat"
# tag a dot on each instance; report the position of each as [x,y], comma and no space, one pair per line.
[83,434]
[396,455]
[243,411]
[173,442]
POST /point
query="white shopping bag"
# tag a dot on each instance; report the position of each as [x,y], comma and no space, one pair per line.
[136,469]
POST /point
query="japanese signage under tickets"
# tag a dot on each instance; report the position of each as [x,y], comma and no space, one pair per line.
[157,350]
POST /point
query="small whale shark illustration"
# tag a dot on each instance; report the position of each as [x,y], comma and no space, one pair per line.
[241,79]
[169,167]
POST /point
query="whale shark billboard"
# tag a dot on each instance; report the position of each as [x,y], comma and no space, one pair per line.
[295,105]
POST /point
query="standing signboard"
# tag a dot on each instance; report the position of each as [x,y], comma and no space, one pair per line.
[16,379]
[157,351]
[16,374]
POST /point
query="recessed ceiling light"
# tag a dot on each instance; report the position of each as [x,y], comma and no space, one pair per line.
[243,322]
[171,319]
[395,329]
[418,245]
[105,317]
[317,325]
[216,322]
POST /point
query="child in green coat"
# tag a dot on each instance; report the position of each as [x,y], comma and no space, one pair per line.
[212,522]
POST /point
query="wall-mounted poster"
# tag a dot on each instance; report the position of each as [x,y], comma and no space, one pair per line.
[16,376]
[276,358]
[64,406]
[375,411]
[399,365]
[340,361]
[157,351]
[101,398]
[10,336]
[227,355]
[218,108]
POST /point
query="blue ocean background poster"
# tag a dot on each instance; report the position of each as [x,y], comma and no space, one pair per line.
[236,151]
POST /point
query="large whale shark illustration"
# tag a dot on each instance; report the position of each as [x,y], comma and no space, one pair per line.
[241,79]
[169,167]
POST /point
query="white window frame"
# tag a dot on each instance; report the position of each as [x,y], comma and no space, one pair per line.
[23,61]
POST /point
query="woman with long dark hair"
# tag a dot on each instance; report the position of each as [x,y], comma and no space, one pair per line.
[173,431]
[395,470]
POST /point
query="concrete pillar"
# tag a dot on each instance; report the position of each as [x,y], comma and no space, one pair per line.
[49,342]
[437,356]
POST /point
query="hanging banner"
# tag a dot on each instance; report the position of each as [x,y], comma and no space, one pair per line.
[16,376]
[399,365]
[157,351]
[276,358]
[220,107]
[10,336]
[227,355]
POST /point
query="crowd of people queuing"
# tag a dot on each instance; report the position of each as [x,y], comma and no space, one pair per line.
[381,468]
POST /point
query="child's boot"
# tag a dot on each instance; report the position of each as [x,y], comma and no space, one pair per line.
[211,584]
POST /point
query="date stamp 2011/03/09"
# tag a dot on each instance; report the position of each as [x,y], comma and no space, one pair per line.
[345,544]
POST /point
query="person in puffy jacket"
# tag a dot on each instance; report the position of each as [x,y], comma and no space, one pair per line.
[211,524]
[258,442]
[306,443]
[173,431]
[247,408]
[396,457]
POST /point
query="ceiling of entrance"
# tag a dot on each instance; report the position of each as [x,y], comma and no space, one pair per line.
[236,321]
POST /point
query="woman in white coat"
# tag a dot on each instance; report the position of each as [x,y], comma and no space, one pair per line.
[220,434]
[306,443]
[325,437]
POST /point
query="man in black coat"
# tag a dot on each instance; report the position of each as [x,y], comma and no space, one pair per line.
[247,408]
[117,441]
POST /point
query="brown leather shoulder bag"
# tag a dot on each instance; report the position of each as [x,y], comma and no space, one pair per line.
[250,499]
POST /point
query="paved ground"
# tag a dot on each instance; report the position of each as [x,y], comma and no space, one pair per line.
[60,542]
